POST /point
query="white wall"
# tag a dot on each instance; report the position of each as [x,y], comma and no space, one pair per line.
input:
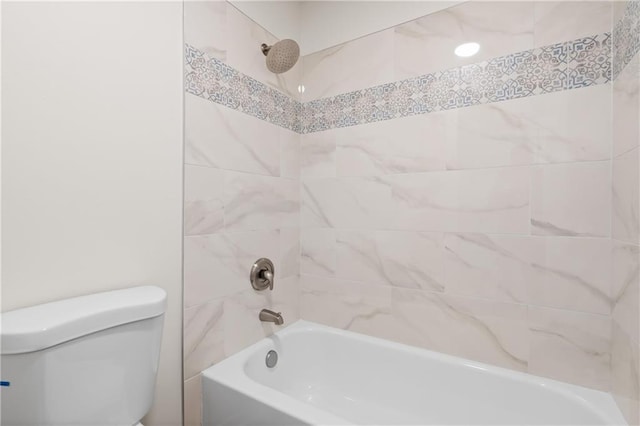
[92,159]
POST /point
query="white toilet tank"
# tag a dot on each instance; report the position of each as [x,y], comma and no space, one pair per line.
[90,360]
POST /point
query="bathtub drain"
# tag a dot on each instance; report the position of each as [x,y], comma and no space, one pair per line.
[272,359]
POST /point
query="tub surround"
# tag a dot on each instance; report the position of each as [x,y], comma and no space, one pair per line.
[479,226]
[218,82]
[241,194]
[625,351]
[433,208]
[569,65]
[573,64]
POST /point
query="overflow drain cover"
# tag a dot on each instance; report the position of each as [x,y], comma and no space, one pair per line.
[272,359]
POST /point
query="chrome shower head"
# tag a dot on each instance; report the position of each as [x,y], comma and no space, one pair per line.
[282,56]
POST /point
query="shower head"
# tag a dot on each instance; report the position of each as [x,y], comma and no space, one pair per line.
[281,56]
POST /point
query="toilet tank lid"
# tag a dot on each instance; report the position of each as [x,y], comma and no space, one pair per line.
[42,326]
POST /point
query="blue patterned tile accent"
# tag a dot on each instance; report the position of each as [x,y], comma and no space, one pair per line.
[563,66]
[626,37]
[216,81]
[578,63]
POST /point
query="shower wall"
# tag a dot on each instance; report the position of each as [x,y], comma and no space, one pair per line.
[464,205]
[625,362]
[469,206]
[241,188]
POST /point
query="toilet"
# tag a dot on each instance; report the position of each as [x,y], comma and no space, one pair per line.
[89,360]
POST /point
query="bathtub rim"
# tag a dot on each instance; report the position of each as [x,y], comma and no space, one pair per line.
[231,373]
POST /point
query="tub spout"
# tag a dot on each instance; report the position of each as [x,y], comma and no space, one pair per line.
[269,316]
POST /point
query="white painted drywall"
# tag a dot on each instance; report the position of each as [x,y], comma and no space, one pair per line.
[322,24]
[92,160]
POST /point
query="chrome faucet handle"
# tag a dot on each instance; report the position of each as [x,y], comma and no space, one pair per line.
[262,275]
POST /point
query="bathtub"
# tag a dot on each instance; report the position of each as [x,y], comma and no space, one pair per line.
[335,377]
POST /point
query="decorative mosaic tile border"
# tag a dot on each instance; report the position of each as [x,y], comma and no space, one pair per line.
[563,66]
[626,37]
[216,81]
[578,63]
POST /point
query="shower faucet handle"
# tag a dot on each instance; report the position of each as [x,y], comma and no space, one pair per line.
[268,276]
[262,274]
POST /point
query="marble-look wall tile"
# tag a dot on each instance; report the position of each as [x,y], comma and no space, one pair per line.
[427,44]
[346,203]
[488,200]
[203,337]
[285,299]
[357,64]
[318,154]
[518,132]
[220,137]
[402,259]
[216,266]
[241,325]
[203,203]
[556,21]
[289,154]
[413,259]
[493,267]
[626,108]
[241,188]
[626,288]
[318,251]
[193,401]
[219,328]
[625,374]
[570,346]
[625,349]
[497,134]
[570,128]
[565,273]
[376,202]
[364,308]
[541,129]
[260,202]
[486,331]
[572,274]
[407,145]
[289,252]
[626,197]
[571,199]
[205,27]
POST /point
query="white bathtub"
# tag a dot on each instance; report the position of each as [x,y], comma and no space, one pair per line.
[330,376]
